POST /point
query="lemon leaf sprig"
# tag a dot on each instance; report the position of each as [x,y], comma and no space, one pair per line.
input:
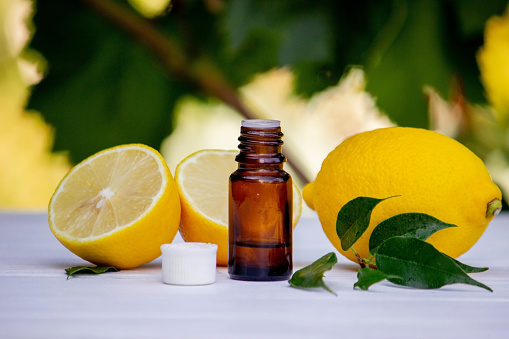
[398,247]
[410,270]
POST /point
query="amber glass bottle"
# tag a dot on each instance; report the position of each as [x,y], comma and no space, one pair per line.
[260,206]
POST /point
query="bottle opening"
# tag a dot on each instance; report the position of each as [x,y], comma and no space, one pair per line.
[260,123]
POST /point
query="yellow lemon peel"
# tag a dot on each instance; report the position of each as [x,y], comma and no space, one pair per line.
[426,171]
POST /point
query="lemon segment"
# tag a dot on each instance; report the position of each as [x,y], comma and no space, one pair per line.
[202,179]
[117,207]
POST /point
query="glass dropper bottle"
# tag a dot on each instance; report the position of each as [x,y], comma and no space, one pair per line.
[260,206]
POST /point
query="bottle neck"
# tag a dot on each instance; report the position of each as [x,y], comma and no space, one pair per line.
[260,147]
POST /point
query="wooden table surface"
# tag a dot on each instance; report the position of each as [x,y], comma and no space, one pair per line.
[37,301]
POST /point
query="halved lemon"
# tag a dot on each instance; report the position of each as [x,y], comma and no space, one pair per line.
[202,181]
[117,207]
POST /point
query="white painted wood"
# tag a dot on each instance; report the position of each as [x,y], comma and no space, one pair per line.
[37,301]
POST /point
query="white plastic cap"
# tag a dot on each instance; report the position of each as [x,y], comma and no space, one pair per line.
[189,263]
[260,123]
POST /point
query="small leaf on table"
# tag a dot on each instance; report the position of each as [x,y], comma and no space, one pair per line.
[311,276]
[367,277]
[89,270]
[416,225]
[353,220]
[415,263]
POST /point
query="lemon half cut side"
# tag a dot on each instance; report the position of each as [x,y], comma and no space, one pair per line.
[117,207]
[202,180]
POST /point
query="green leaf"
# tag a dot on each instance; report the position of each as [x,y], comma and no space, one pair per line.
[311,275]
[244,18]
[353,220]
[367,277]
[418,264]
[398,43]
[307,39]
[467,269]
[103,88]
[89,270]
[416,225]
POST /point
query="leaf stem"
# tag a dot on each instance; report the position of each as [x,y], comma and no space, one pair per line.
[370,259]
[361,261]
[494,208]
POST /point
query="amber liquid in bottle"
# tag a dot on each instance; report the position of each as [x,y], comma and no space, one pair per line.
[260,206]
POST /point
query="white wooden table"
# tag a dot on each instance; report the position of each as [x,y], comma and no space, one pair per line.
[37,301]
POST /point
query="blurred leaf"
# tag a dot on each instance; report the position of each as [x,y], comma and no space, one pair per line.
[472,14]
[416,57]
[265,34]
[439,40]
[250,59]
[243,17]
[307,38]
[403,45]
[102,88]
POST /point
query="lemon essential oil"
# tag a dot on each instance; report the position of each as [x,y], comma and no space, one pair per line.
[260,206]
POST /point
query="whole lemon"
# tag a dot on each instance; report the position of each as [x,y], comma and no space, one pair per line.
[423,172]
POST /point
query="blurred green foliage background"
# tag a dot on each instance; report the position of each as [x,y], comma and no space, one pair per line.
[104,87]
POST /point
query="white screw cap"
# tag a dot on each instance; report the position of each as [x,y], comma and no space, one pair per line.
[189,263]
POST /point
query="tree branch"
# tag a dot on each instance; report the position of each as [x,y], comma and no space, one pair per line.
[201,73]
